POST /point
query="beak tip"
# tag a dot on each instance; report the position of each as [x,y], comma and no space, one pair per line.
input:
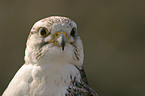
[62,48]
[63,45]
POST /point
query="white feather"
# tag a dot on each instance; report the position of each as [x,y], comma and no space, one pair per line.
[51,73]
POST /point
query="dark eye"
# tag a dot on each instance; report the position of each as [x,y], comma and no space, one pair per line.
[73,31]
[43,32]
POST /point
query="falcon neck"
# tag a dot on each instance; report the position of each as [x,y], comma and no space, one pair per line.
[56,77]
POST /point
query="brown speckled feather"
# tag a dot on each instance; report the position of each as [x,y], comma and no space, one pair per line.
[81,88]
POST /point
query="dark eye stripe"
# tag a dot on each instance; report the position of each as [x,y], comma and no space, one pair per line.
[76,55]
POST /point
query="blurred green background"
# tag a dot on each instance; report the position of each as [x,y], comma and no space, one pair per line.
[113,34]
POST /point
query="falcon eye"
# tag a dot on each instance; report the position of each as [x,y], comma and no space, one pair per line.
[43,32]
[73,31]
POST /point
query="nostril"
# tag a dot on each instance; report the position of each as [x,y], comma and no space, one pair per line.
[56,35]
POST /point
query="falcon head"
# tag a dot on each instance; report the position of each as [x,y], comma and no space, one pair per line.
[53,40]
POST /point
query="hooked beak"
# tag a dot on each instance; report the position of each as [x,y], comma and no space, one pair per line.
[60,39]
